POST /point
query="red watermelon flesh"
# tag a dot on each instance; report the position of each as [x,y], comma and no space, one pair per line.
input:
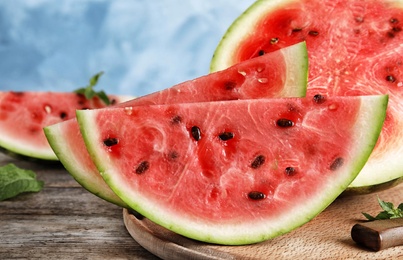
[24,114]
[67,143]
[233,172]
[355,47]
[281,73]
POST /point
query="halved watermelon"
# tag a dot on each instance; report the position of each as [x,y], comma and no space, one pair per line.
[24,114]
[281,73]
[233,172]
[355,47]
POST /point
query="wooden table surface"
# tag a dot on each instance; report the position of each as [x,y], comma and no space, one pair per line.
[64,221]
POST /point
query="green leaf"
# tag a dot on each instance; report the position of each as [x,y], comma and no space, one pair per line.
[386,206]
[383,215]
[369,217]
[14,180]
[88,91]
[102,95]
[389,211]
[95,78]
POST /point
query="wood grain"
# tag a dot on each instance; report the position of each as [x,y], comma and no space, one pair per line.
[63,221]
[328,236]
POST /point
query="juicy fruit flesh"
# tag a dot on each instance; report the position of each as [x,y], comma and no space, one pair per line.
[66,141]
[225,174]
[236,165]
[354,47]
[37,114]
[278,74]
[24,114]
[259,78]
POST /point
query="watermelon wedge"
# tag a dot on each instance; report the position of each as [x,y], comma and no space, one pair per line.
[282,73]
[233,172]
[355,47]
[24,114]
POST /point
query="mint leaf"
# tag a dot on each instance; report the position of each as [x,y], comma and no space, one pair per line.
[386,206]
[88,91]
[102,95]
[95,78]
[389,211]
[14,180]
[383,215]
[369,217]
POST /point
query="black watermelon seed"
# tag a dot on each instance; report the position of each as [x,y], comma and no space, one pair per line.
[111,141]
[261,52]
[256,195]
[63,115]
[296,30]
[396,29]
[390,34]
[390,78]
[313,33]
[290,171]
[283,122]
[229,85]
[142,167]
[176,120]
[393,20]
[337,163]
[319,99]
[258,161]
[195,132]
[225,136]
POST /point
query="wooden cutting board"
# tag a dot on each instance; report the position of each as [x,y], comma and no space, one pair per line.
[328,236]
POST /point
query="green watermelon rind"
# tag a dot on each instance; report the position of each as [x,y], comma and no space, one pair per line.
[17,149]
[86,177]
[353,191]
[367,129]
[239,30]
[242,28]
[295,54]
[23,149]
[297,69]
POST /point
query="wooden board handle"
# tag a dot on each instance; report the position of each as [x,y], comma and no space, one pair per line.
[379,234]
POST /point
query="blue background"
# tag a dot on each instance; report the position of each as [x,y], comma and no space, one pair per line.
[141,45]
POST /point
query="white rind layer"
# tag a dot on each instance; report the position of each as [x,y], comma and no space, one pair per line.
[386,165]
[366,130]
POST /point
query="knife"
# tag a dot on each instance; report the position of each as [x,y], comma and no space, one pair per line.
[379,234]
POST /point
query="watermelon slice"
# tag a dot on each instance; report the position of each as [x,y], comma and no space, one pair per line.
[233,172]
[24,114]
[355,47]
[281,73]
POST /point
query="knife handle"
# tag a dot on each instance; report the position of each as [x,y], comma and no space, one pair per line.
[379,234]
